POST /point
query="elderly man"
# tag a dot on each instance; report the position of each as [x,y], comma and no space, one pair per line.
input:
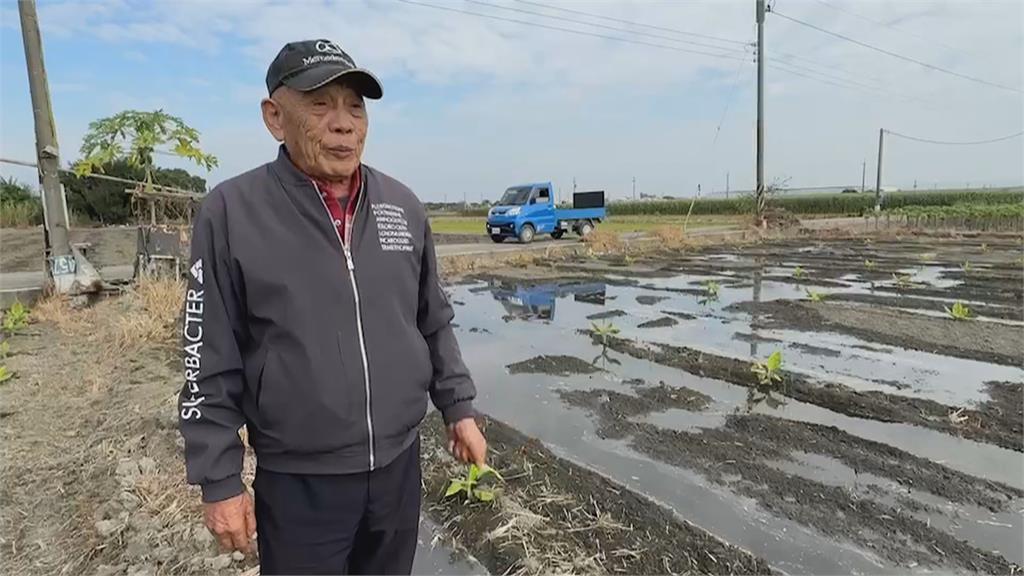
[314,316]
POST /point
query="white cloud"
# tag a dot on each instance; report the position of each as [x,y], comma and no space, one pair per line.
[521,102]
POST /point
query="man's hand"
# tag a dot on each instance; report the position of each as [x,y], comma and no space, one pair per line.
[232,521]
[466,443]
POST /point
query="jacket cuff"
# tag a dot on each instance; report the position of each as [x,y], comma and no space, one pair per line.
[223,489]
[458,411]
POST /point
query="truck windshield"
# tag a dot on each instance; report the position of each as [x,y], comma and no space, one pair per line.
[515,196]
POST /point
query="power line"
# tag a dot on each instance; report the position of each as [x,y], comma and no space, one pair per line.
[899,56]
[631,23]
[839,82]
[830,68]
[776,66]
[890,26]
[572,31]
[728,101]
[602,26]
[846,83]
[952,143]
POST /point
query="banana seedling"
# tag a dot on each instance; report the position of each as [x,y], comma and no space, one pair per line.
[604,331]
[902,281]
[799,273]
[710,292]
[870,264]
[769,372]
[5,374]
[815,296]
[959,311]
[16,318]
[470,484]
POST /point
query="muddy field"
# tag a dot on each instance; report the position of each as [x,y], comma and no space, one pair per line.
[893,443]
[622,411]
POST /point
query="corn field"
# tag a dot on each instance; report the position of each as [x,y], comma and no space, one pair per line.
[837,204]
[995,217]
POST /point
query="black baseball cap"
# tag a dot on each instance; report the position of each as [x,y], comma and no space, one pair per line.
[310,64]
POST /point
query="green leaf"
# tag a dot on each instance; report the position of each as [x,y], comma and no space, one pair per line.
[474,474]
[483,495]
[454,488]
[774,361]
[489,470]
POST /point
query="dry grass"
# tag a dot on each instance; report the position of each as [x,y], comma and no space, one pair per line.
[670,236]
[154,305]
[603,242]
[57,310]
[537,522]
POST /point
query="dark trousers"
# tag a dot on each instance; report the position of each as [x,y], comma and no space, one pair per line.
[364,523]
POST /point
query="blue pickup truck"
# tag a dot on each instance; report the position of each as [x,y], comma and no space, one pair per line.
[529,209]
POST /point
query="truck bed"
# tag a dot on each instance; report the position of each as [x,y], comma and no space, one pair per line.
[580,213]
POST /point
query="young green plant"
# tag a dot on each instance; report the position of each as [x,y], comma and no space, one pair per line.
[959,311]
[815,296]
[769,372]
[870,264]
[604,331]
[16,318]
[711,289]
[799,273]
[902,281]
[5,374]
[470,484]
[5,349]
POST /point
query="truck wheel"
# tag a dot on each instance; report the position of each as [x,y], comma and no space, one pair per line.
[526,233]
[557,234]
[497,238]
[585,229]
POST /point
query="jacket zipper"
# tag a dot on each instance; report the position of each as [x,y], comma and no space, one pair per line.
[350,264]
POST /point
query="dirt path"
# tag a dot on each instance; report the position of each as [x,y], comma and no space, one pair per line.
[23,247]
[93,480]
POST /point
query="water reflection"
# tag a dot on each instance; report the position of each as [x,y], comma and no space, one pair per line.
[537,301]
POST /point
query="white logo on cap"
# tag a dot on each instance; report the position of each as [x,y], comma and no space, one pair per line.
[326,46]
[329,52]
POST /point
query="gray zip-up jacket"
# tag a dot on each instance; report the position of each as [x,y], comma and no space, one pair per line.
[327,352]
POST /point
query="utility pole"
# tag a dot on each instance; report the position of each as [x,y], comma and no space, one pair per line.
[760,193]
[726,185]
[634,187]
[60,261]
[863,174]
[574,185]
[878,179]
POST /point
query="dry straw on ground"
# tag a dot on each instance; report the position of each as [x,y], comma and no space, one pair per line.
[154,307]
[602,242]
[670,236]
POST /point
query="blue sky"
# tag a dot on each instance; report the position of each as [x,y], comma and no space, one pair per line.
[473,105]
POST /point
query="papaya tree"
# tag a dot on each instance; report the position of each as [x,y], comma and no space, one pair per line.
[134,137]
